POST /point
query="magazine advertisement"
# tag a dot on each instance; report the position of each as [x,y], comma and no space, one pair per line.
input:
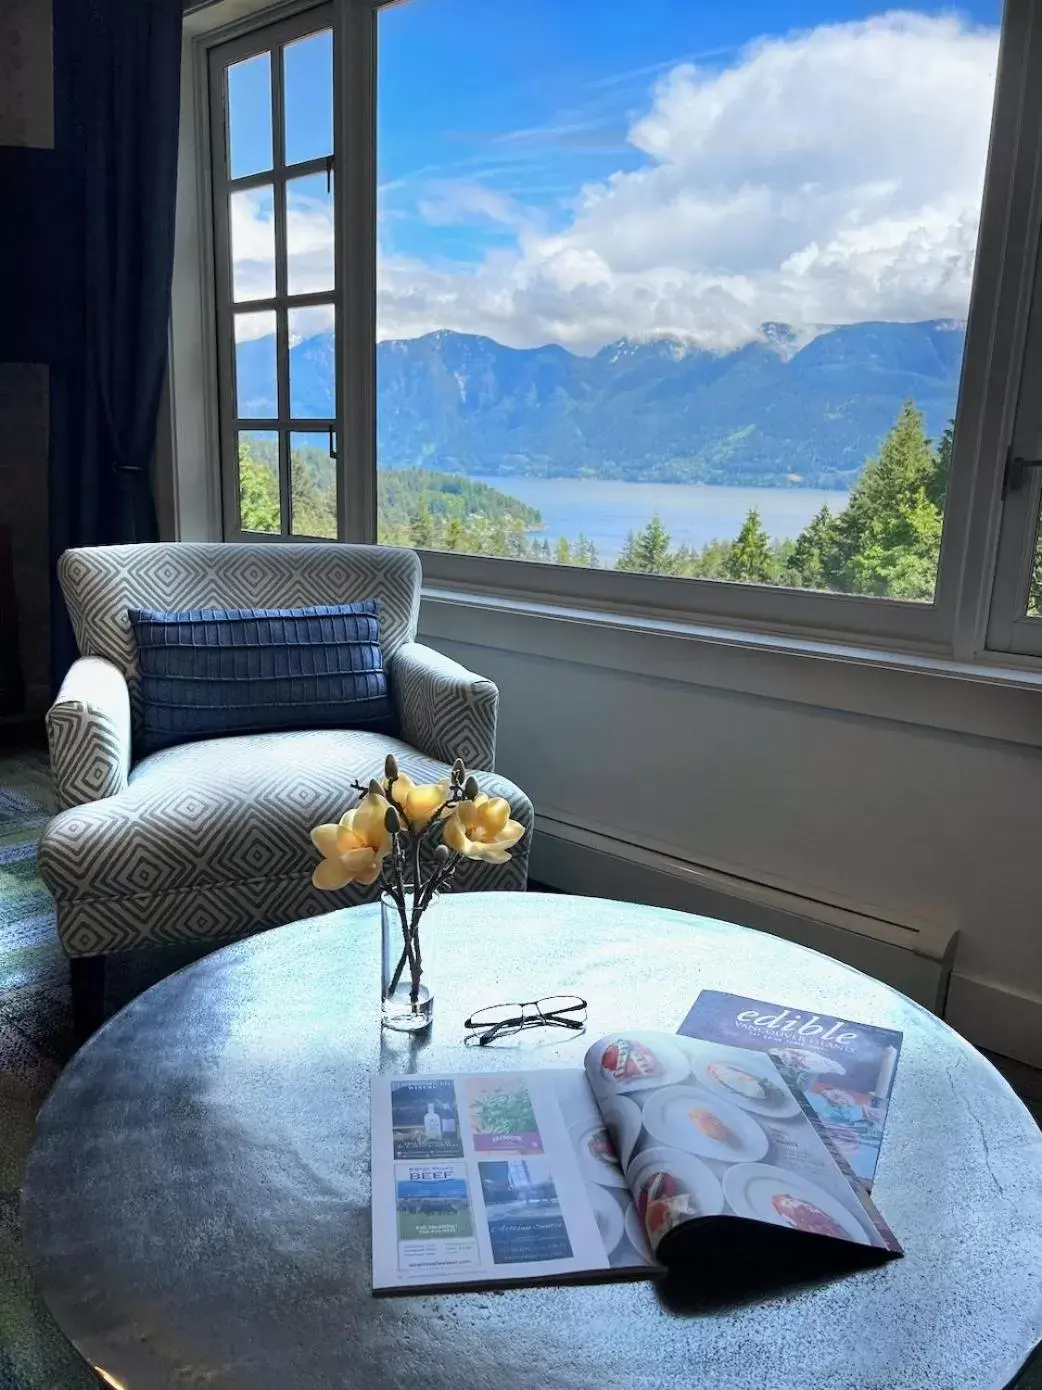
[844,1071]
[607,1171]
[481,1179]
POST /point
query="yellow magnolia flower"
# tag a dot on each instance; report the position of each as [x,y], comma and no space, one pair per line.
[419,803]
[354,850]
[482,829]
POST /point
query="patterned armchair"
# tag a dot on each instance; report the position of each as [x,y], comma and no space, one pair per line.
[210,840]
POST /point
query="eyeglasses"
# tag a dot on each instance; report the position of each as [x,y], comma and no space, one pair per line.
[502,1020]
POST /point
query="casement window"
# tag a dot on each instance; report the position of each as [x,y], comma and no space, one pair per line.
[748,337]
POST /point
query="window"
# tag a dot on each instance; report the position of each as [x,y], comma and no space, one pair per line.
[695,319]
[274,204]
[673,316]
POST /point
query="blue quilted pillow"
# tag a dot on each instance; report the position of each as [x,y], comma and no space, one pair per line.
[208,672]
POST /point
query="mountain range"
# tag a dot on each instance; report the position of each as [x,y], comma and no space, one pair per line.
[777,412]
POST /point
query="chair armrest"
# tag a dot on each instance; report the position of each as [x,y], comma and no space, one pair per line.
[88,733]
[445,710]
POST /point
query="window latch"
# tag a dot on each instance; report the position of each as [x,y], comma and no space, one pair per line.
[1016,471]
[332,444]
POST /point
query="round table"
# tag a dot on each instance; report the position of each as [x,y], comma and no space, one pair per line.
[196,1205]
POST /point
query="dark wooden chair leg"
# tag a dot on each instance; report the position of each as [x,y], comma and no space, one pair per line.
[87,976]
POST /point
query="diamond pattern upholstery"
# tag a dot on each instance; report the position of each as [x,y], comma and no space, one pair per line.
[210,840]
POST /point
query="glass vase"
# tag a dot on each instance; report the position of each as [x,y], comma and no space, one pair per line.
[406,997]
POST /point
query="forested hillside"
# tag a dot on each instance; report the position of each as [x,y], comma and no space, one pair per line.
[773,413]
[885,542]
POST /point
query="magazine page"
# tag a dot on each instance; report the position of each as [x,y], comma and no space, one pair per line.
[844,1071]
[618,1220]
[694,1145]
[481,1179]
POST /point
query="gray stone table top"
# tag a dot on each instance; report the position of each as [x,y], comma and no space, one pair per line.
[196,1204]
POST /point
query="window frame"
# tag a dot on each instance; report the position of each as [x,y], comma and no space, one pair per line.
[960,621]
[1010,628]
[352,295]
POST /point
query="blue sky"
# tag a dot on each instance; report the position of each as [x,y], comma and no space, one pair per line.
[535,97]
[578,170]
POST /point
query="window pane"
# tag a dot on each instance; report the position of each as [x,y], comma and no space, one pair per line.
[249,116]
[251,215]
[308,97]
[258,452]
[309,235]
[312,363]
[256,376]
[706,322]
[313,472]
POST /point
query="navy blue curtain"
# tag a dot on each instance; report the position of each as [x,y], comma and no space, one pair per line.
[117,96]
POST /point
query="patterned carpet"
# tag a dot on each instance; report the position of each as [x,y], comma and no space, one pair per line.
[36,1041]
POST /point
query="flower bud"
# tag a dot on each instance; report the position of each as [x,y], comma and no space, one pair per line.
[459,772]
[442,853]
[392,822]
[375,788]
[390,767]
[470,788]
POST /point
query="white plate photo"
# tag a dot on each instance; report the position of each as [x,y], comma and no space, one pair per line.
[636,1233]
[690,1174]
[749,1081]
[637,1061]
[609,1216]
[596,1159]
[623,1116]
[752,1188]
[691,1119]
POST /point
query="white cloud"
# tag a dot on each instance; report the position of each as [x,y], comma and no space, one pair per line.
[309,245]
[828,176]
[456,202]
[825,177]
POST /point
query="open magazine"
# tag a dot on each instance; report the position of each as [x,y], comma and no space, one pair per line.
[660,1145]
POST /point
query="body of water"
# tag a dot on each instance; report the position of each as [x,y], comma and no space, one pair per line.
[606,512]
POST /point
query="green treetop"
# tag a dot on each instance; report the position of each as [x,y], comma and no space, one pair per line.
[886,542]
[647,551]
[749,559]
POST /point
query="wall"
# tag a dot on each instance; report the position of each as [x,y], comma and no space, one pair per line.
[23,508]
[894,819]
[31,293]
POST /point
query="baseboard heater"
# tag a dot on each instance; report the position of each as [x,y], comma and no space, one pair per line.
[915,958]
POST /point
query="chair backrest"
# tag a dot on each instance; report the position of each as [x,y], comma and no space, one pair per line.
[101,583]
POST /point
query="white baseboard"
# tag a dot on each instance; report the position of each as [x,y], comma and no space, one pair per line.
[996,1018]
[915,959]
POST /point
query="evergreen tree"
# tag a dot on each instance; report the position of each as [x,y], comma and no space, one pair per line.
[887,540]
[937,486]
[647,551]
[562,552]
[314,509]
[421,527]
[258,492]
[749,559]
[805,567]
[454,536]
[1035,585]
[517,542]
[586,553]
